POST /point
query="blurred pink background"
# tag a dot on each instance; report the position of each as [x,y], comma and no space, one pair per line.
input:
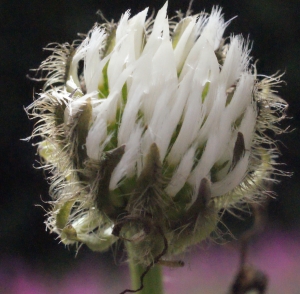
[209,269]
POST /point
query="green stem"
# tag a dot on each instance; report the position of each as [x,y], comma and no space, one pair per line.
[152,281]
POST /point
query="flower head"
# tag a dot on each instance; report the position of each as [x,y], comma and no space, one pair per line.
[149,128]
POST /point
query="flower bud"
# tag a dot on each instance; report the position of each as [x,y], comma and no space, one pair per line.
[149,128]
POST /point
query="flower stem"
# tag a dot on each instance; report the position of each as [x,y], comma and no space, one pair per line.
[152,281]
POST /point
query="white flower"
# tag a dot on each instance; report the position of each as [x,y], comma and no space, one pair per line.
[151,127]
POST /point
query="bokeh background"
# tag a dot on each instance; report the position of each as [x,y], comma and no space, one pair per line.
[31,260]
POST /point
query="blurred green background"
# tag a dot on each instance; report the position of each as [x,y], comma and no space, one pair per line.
[28,26]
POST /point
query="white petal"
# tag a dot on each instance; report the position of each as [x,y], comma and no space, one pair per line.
[185,43]
[214,29]
[126,167]
[93,66]
[237,61]
[247,126]
[233,179]
[242,96]
[155,38]
[180,176]
[96,135]
[138,90]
